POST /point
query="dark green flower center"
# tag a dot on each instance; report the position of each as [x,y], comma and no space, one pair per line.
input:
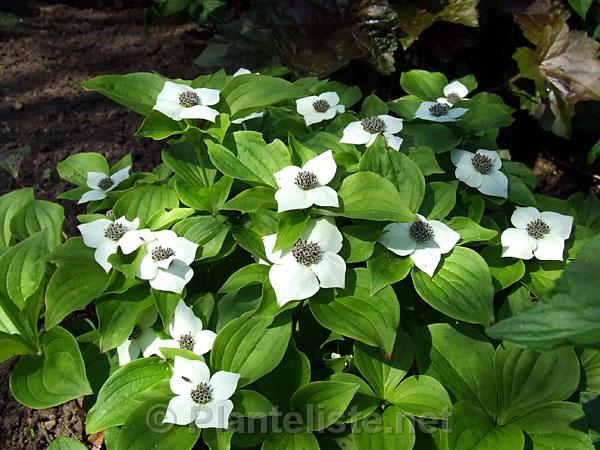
[114,231]
[306,253]
[481,163]
[321,105]
[420,231]
[202,393]
[186,342]
[439,109]
[188,99]
[135,333]
[537,229]
[453,97]
[306,180]
[105,183]
[373,125]
[162,253]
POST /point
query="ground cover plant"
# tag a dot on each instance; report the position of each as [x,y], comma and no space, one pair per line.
[308,267]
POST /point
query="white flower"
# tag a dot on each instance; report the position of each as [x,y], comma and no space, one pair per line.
[101,183]
[311,263]
[166,261]
[140,339]
[179,101]
[540,234]
[318,108]
[481,170]
[254,115]
[301,188]
[187,333]
[424,240]
[366,131]
[107,237]
[200,398]
[439,112]
[453,93]
[241,71]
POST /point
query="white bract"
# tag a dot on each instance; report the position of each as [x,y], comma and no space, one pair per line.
[439,112]
[107,236]
[311,263]
[539,234]
[179,101]
[300,188]
[481,170]
[187,333]
[454,92]
[317,108]
[141,337]
[200,398]
[365,131]
[241,71]
[101,183]
[424,240]
[166,261]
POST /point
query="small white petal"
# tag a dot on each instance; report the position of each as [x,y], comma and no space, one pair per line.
[254,115]
[199,112]
[444,101]
[208,96]
[185,250]
[354,133]
[171,91]
[460,157]
[241,71]
[323,166]
[516,243]
[444,236]
[523,215]
[426,259]
[104,250]
[393,141]
[455,113]
[330,113]
[119,176]
[324,232]
[330,270]
[305,105]
[330,97]
[93,232]
[422,111]
[180,386]
[127,352]
[456,87]
[280,256]
[147,270]
[170,108]
[550,248]
[292,282]
[393,124]
[182,410]
[397,239]
[184,322]
[340,108]
[372,139]
[468,175]
[94,178]
[172,279]
[214,414]
[286,177]
[224,384]
[323,196]
[91,196]
[146,338]
[494,183]
[196,371]
[314,117]
[204,341]
[291,198]
[132,240]
[153,348]
[559,224]
[128,225]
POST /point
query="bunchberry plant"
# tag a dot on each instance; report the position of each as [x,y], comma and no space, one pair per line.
[305,269]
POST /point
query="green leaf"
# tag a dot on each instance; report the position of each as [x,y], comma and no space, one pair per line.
[66,443]
[135,91]
[581,7]
[217,439]
[359,242]
[423,84]
[373,106]
[157,126]
[556,425]
[354,313]
[590,361]
[251,347]
[252,404]
[40,215]
[23,268]
[594,153]
[126,389]
[519,192]
[10,204]
[145,430]
[505,272]
[390,430]
[13,345]
[366,195]
[163,219]
[262,159]
[527,378]
[247,275]
[434,135]
[439,200]
[384,373]
[229,165]
[208,232]
[142,202]
[209,198]
[541,276]
[460,288]
[75,168]
[470,231]
[186,161]
[290,228]
[76,282]
[301,440]
[252,199]
[397,168]
[424,157]
[364,402]
[569,315]
[473,429]
[54,377]
[321,403]
[386,268]
[486,111]
[463,361]
[166,303]
[422,396]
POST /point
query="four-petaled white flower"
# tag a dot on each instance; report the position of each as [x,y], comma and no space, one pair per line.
[200,398]
[101,183]
[300,188]
[187,333]
[140,339]
[166,261]
[454,92]
[107,236]
[311,263]
[542,234]
[424,240]
[365,131]
[317,108]
[179,101]
[439,112]
[481,170]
